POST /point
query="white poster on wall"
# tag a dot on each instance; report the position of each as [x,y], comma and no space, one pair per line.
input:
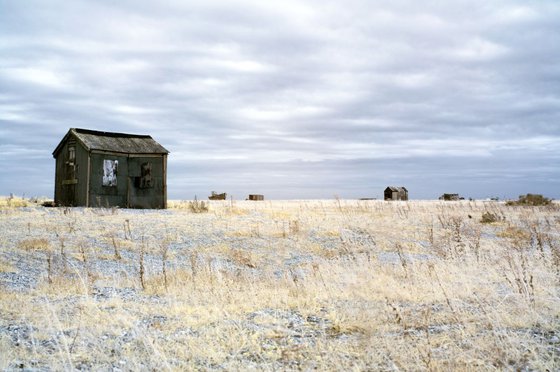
[110,168]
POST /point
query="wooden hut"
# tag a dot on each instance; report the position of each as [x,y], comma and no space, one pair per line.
[451,197]
[396,193]
[104,169]
[256,197]
[216,196]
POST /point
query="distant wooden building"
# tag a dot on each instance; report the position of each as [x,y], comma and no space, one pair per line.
[451,197]
[396,193]
[104,169]
[216,196]
[256,197]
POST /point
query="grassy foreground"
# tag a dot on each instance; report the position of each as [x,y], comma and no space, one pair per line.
[329,285]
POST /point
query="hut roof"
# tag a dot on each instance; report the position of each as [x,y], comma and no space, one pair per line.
[114,142]
[397,189]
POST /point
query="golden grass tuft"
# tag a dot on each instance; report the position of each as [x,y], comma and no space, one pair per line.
[35,244]
[14,202]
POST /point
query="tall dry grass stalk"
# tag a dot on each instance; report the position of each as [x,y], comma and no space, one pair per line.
[141,269]
[164,252]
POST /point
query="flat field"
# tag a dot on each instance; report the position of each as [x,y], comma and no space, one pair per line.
[281,285]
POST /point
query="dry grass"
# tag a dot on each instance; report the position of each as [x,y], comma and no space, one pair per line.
[35,244]
[19,202]
[13,202]
[327,285]
[6,267]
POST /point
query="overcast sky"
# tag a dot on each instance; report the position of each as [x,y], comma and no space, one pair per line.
[291,99]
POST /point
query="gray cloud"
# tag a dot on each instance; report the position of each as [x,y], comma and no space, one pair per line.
[295,99]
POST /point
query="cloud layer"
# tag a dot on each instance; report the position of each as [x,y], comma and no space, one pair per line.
[292,99]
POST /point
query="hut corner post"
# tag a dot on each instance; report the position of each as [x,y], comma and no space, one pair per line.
[88,178]
[164,181]
[128,185]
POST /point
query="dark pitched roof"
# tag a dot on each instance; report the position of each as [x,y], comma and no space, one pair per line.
[397,189]
[114,142]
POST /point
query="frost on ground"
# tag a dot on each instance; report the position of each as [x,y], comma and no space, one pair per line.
[281,285]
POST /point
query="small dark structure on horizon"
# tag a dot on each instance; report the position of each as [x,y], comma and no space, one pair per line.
[256,197]
[105,169]
[396,193]
[451,197]
[216,196]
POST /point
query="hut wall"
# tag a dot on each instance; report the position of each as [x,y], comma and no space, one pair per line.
[387,194]
[59,168]
[146,181]
[71,180]
[81,175]
[400,194]
[110,194]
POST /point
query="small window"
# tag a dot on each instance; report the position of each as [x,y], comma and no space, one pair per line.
[71,153]
[110,169]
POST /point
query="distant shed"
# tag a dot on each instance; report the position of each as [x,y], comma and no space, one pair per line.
[396,193]
[256,197]
[216,196]
[105,169]
[451,197]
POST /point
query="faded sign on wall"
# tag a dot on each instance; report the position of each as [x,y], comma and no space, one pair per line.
[110,168]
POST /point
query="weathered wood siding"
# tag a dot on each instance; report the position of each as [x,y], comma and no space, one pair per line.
[68,193]
[107,196]
[142,195]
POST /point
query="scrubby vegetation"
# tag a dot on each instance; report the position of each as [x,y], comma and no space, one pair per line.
[197,206]
[530,200]
[326,285]
[489,217]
